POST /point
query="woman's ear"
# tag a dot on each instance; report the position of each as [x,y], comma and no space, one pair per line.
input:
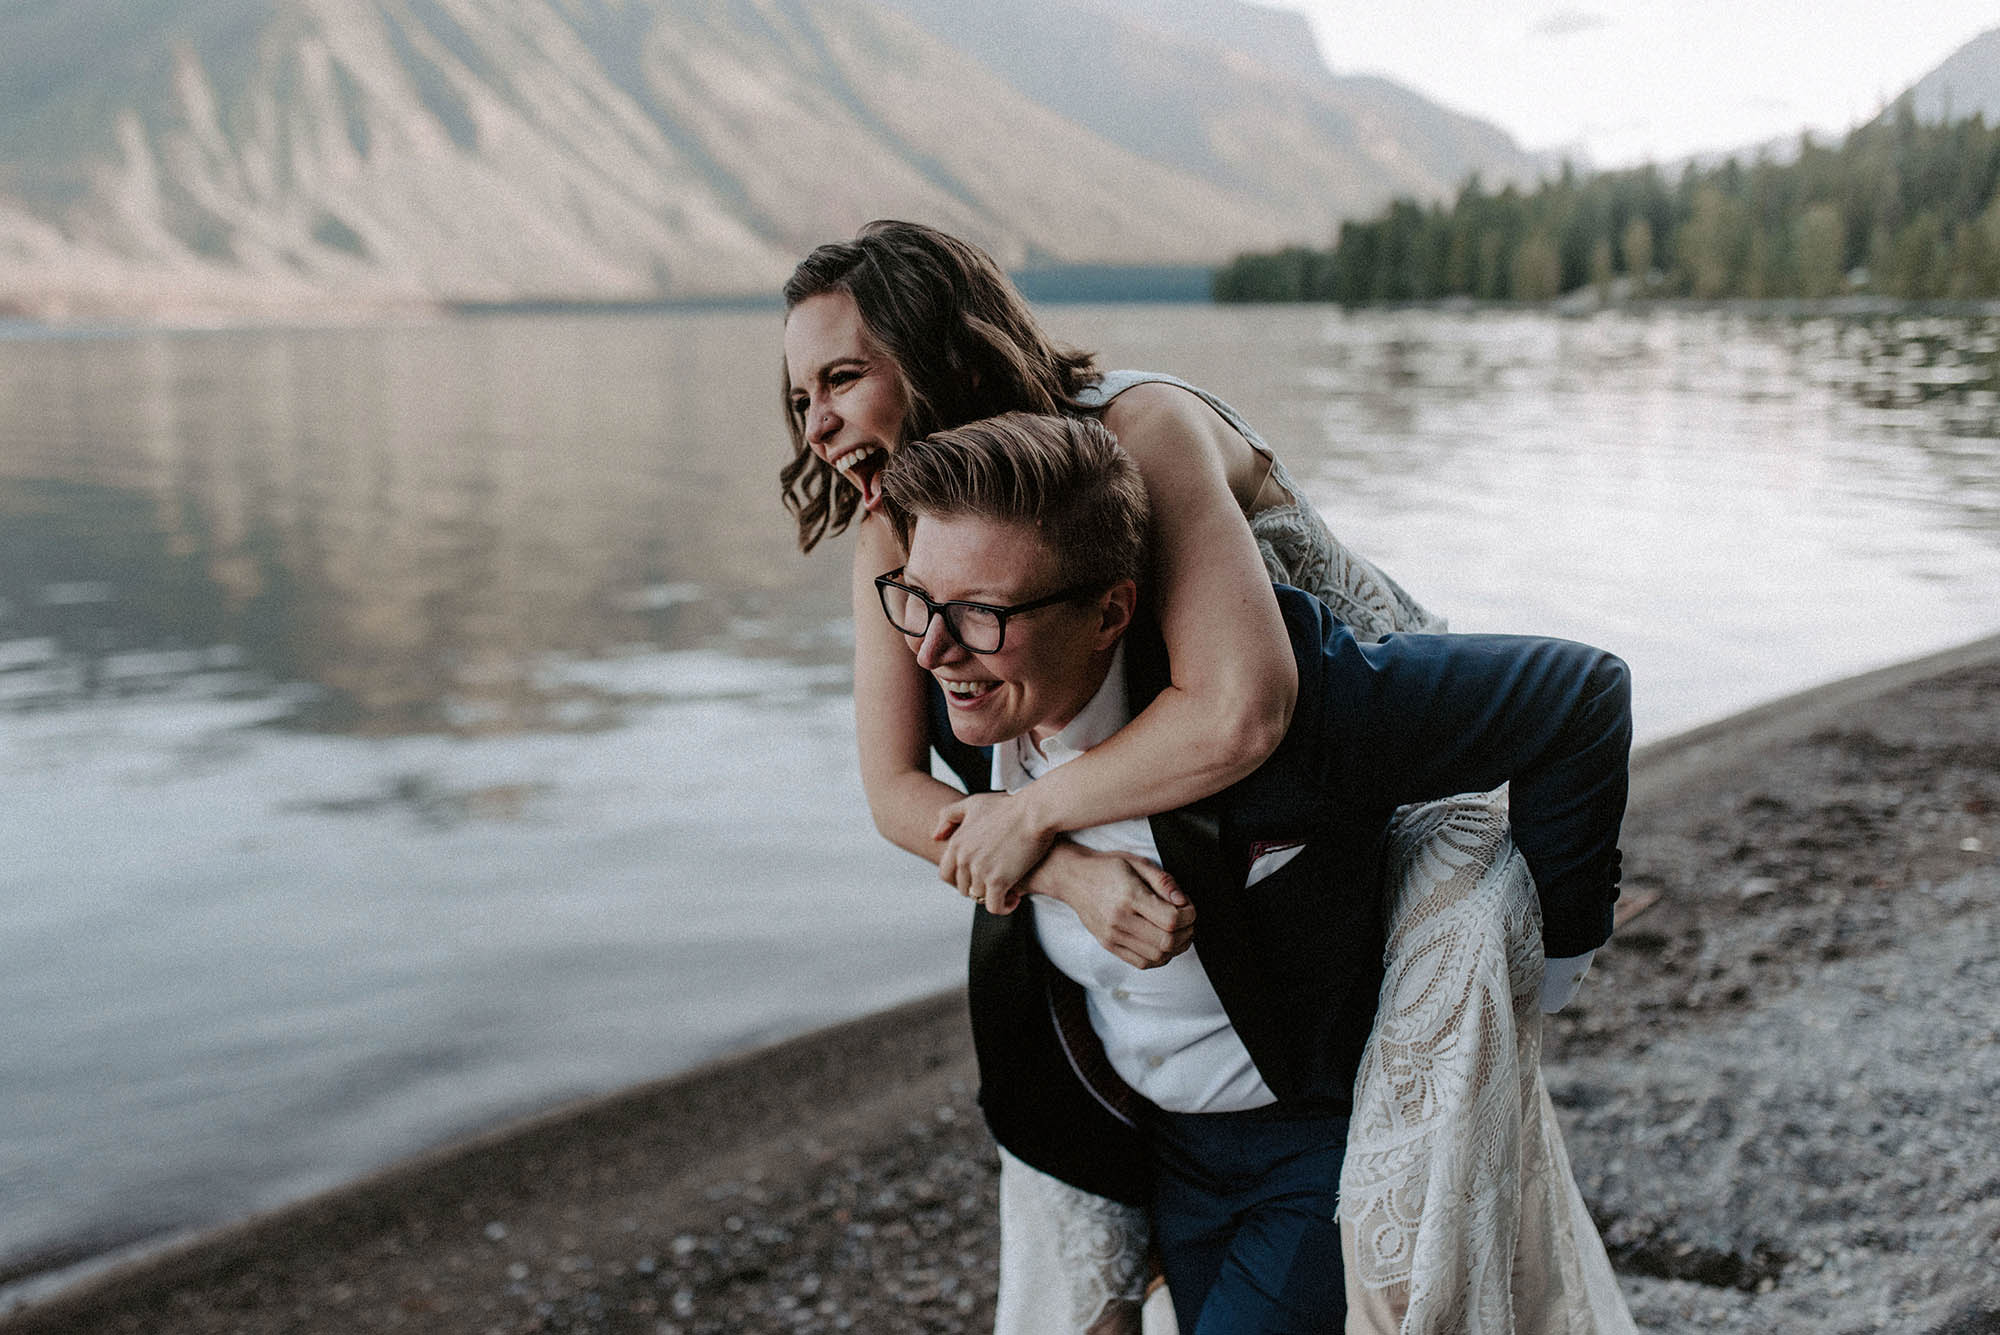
[1116,607]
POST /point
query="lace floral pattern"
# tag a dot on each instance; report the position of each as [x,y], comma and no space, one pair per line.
[1300,550]
[1069,1261]
[1457,1192]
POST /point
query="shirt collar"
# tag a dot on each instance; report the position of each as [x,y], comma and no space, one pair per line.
[1107,712]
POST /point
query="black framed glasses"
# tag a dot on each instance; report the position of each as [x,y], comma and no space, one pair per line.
[979,628]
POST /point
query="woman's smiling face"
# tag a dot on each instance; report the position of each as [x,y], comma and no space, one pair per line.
[845,393]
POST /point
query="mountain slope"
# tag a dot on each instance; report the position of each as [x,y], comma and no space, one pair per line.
[226,152]
[1968,81]
[1234,93]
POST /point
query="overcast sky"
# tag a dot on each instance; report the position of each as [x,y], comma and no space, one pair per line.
[1629,80]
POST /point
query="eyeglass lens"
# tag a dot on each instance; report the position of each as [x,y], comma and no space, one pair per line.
[978,629]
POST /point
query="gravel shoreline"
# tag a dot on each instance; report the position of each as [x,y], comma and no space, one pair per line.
[1780,1088]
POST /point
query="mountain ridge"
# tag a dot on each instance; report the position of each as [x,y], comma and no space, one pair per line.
[225,154]
[1967,81]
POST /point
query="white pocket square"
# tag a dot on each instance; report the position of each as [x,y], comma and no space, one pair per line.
[1266,858]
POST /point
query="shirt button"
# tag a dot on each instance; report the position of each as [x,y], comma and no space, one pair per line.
[1120,994]
[1156,1062]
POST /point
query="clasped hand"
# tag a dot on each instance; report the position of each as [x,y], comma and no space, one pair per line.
[1130,905]
[991,844]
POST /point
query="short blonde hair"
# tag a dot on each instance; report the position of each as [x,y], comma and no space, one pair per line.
[1065,477]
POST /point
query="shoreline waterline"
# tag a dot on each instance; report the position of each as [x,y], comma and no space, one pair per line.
[787,1104]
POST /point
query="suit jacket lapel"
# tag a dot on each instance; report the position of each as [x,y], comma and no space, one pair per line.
[1228,942]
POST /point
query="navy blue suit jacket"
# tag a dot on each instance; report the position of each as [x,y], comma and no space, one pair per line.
[1297,958]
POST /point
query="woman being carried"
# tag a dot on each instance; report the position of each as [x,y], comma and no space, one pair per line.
[1453,1152]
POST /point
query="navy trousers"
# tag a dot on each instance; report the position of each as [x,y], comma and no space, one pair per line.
[1246,1221]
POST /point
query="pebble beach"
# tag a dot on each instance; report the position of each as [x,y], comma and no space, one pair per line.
[1780,1089]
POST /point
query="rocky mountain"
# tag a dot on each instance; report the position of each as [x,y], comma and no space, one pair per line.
[181,155]
[1233,93]
[1968,81]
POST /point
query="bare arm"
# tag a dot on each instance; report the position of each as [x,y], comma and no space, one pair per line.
[1131,907]
[889,710]
[1234,680]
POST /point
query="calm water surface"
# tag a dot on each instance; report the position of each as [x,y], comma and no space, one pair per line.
[405,728]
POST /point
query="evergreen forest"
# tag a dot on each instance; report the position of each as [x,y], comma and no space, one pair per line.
[1900,208]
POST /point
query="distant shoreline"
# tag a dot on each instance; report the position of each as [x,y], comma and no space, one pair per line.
[1138,287]
[1141,285]
[1054,285]
[1176,284]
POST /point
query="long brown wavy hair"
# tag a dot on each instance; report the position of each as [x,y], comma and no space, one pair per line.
[961,338]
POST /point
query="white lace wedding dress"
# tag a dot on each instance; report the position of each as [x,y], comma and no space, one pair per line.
[1459,1212]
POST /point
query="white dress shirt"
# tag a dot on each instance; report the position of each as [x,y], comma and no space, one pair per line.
[1163,1029]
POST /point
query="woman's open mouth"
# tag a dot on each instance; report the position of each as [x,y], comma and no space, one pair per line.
[862,467]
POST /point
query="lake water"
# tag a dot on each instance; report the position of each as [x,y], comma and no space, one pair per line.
[406,728]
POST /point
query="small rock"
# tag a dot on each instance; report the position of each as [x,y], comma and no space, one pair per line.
[496,1231]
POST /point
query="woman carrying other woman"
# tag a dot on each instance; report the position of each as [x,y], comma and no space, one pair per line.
[1454,1154]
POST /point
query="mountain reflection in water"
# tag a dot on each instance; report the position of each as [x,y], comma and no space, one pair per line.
[409,521]
[403,728]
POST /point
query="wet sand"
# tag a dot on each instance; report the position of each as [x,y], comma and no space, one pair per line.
[1780,1088]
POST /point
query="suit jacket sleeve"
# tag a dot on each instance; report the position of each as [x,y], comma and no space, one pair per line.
[1416,717]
